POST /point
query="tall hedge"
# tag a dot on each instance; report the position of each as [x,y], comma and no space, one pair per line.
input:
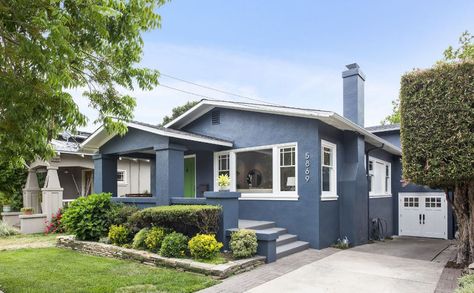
[437,124]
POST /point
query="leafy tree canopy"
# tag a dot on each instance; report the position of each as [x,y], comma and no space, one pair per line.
[393,118]
[178,111]
[49,47]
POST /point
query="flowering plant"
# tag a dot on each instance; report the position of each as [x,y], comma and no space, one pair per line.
[223,181]
[55,226]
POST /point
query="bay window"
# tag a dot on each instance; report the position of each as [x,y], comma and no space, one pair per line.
[265,172]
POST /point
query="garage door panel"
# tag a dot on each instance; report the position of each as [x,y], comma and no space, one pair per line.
[423,214]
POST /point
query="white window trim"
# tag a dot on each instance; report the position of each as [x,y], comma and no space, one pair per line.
[373,194]
[124,181]
[329,195]
[276,194]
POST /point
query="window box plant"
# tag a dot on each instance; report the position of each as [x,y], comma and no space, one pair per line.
[27,211]
[223,181]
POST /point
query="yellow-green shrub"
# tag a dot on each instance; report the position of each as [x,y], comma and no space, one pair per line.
[118,234]
[139,239]
[154,238]
[243,243]
[204,246]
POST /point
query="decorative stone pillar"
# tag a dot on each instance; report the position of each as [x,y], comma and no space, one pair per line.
[52,193]
[31,192]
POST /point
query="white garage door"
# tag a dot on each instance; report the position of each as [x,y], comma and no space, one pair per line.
[423,214]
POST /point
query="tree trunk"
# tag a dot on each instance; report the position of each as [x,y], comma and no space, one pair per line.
[462,211]
[470,196]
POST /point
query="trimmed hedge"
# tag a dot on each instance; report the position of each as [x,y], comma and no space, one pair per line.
[437,124]
[186,219]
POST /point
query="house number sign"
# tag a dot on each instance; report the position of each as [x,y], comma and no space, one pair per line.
[307,163]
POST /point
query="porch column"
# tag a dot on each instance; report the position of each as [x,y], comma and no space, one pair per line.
[31,192]
[52,193]
[169,173]
[105,174]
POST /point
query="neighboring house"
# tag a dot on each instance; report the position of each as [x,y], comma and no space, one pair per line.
[303,169]
[76,169]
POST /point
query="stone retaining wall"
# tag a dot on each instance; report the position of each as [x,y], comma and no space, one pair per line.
[219,271]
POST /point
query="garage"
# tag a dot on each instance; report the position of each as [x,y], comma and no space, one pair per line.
[423,214]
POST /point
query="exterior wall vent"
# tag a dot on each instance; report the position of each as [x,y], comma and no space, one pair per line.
[216,117]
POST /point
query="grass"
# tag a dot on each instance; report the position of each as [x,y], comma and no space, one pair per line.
[27,240]
[61,270]
[219,259]
[466,284]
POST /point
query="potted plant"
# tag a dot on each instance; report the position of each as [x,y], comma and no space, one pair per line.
[27,211]
[223,181]
[5,202]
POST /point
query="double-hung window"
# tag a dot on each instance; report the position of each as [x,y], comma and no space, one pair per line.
[380,184]
[265,172]
[328,171]
[122,177]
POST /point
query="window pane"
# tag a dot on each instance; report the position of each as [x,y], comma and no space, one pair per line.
[254,171]
[326,178]
[287,179]
[327,157]
[224,173]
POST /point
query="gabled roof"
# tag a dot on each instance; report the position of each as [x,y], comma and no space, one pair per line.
[383,128]
[101,135]
[327,117]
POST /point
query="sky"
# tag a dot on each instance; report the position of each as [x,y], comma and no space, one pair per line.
[292,52]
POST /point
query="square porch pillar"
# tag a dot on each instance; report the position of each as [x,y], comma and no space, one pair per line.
[31,192]
[105,174]
[52,194]
[168,172]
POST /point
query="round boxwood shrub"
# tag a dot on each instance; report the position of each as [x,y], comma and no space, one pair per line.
[118,234]
[174,245]
[89,217]
[139,239]
[243,243]
[155,238]
[204,246]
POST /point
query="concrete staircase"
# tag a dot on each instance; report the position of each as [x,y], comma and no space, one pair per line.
[286,243]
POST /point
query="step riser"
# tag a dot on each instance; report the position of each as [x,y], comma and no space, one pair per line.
[287,240]
[262,226]
[293,250]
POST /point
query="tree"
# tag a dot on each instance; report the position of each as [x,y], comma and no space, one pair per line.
[437,122]
[49,47]
[393,118]
[12,180]
[178,111]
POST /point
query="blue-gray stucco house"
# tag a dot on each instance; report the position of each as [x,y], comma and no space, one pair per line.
[318,175]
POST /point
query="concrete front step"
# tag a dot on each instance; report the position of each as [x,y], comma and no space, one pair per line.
[255,225]
[285,239]
[278,230]
[290,248]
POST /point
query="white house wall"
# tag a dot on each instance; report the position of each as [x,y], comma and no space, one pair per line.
[137,176]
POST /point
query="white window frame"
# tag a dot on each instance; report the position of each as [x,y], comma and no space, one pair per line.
[332,193]
[381,178]
[276,194]
[124,181]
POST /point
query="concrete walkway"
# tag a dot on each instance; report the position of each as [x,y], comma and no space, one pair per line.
[404,264]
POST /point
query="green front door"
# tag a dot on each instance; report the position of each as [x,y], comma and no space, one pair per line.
[190,177]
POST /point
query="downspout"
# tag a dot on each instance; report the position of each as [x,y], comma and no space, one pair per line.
[367,174]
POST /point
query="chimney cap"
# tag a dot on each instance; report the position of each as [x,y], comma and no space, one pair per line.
[352,66]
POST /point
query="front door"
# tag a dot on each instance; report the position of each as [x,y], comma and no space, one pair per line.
[190,176]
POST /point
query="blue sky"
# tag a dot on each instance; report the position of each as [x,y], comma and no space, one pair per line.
[293,52]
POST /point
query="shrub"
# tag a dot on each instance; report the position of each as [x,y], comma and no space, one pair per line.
[186,219]
[174,245]
[139,239]
[89,218]
[55,225]
[104,240]
[204,246]
[154,238]
[243,243]
[466,284]
[6,230]
[121,212]
[118,235]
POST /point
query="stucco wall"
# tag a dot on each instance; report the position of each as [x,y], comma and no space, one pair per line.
[137,176]
[247,129]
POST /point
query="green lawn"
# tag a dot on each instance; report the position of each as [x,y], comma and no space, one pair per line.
[28,241]
[61,270]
